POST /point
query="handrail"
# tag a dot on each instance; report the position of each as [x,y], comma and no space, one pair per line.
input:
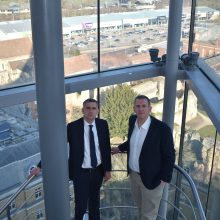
[174,207]
[188,199]
[23,185]
[179,169]
[194,190]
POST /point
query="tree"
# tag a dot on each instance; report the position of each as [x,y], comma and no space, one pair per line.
[117,109]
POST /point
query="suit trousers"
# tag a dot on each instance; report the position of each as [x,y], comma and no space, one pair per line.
[147,201]
[87,193]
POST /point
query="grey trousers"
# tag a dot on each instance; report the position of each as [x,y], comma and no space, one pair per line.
[147,201]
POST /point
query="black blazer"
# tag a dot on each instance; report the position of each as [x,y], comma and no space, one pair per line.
[75,137]
[157,155]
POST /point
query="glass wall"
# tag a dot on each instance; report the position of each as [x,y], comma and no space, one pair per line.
[116,105]
[20,152]
[117,97]
[185,26]
[121,32]
[198,151]
[99,36]
[207,32]
[212,209]
[128,29]
[80,36]
[116,102]
[74,103]
[16,55]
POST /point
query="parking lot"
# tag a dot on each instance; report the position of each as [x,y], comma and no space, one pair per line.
[112,40]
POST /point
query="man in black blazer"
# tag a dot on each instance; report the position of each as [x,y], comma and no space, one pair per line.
[87,179]
[87,166]
[151,158]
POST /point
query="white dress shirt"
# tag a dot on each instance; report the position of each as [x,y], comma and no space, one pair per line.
[136,142]
[87,158]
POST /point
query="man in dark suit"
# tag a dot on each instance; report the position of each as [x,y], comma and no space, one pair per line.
[87,178]
[89,159]
[151,158]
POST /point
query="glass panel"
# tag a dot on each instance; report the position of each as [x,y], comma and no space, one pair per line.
[214,195]
[129,29]
[207,30]
[79,36]
[185,27]
[116,192]
[116,97]
[176,138]
[178,116]
[197,151]
[74,102]
[16,56]
[19,146]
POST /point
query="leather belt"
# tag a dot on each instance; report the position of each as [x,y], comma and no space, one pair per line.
[91,169]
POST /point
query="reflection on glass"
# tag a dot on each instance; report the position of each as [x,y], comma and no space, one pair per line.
[198,148]
[214,194]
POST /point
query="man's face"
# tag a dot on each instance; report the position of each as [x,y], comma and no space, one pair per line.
[142,108]
[90,111]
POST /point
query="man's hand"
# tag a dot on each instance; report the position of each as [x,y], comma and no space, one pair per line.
[115,150]
[107,176]
[162,183]
[34,172]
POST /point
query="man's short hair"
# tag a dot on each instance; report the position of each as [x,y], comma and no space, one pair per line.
[142,97]
[90,100]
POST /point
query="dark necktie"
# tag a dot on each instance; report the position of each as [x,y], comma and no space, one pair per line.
[92,147]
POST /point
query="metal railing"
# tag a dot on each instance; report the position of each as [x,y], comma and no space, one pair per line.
[194,192]
[14,196]
[187,203]
[105,188]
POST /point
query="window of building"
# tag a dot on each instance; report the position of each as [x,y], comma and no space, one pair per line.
[38,193]
[3,67]
[40,214]
[12,205]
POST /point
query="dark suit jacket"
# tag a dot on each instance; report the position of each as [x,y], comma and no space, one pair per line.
[157,155]
[75,137]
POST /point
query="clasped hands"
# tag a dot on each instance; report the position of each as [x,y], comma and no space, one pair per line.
[115,150]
